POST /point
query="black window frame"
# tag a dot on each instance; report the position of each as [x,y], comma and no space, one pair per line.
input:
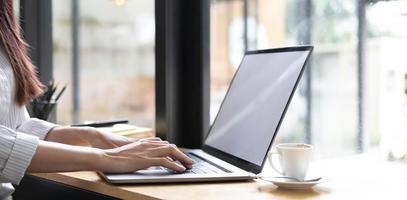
[182,71]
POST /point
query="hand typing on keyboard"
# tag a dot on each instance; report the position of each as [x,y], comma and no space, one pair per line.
[144,154]
[202,167]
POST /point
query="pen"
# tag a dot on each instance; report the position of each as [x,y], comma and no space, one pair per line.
[60,93]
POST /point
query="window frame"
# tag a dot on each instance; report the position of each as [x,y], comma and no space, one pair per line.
[182,71]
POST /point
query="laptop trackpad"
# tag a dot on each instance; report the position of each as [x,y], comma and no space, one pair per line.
[154,171]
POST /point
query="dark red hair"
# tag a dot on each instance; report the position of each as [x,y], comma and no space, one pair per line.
[27,84]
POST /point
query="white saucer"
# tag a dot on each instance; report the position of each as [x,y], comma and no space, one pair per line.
[292,184]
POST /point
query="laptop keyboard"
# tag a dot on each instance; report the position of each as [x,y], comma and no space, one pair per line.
[202,167]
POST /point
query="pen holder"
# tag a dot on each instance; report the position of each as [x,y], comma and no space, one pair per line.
[43,110]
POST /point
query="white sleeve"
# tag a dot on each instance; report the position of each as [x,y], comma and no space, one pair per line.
[16,152]
[34,126]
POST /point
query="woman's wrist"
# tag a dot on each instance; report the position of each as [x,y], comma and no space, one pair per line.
[99,160]
[94,137]
[107,160]
[106,140]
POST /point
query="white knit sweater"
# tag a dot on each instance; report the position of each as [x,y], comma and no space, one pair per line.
[19,134]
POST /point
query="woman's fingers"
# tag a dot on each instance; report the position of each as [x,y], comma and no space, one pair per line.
[166,163]
[173,152]
[156,153]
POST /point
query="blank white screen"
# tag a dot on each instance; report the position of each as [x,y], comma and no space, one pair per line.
[255,102]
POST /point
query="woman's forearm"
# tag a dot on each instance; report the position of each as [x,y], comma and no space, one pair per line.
[55,157]
[87,136]
[70,135]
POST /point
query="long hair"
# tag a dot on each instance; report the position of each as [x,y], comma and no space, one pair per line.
[27,84]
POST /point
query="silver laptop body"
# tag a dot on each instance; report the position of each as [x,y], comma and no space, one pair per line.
[246,124]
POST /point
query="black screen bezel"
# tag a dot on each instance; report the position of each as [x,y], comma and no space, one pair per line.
[236,161]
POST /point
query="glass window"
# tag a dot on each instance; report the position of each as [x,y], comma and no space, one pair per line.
[330,108]
[386,77]
[116,60]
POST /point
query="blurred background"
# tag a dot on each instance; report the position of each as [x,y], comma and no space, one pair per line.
[116,64]
[344,104]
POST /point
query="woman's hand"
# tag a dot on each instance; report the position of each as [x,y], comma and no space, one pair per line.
[143,154]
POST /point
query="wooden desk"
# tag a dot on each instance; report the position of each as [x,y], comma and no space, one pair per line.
[354,177]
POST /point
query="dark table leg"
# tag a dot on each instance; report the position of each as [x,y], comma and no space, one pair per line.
[31,188]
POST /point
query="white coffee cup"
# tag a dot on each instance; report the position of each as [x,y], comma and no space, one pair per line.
[294,159]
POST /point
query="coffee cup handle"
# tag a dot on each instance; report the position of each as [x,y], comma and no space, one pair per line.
[271,155]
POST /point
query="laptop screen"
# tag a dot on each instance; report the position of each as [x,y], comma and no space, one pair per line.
[256,102]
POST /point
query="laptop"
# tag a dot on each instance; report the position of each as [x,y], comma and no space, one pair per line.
[248,120]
